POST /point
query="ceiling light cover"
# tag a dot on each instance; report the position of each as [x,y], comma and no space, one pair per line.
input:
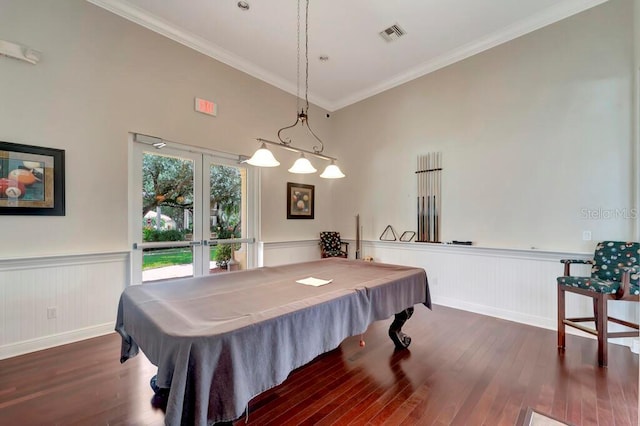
[302,166]
[263,158]
[332,172]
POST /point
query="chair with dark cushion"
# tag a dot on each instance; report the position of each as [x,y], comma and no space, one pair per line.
[615,273]
[331,245]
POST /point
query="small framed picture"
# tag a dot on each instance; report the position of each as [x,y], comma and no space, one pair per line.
[300,201]
[31,180]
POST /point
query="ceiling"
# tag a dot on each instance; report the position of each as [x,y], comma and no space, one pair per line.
[262,41]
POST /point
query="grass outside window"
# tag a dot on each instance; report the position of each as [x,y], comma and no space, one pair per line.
[169,257]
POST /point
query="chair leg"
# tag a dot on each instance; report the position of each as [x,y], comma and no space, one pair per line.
[601,325]
[561,313]
[595,311]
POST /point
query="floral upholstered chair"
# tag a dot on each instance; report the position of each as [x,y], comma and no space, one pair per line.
[615,273]
[331,245]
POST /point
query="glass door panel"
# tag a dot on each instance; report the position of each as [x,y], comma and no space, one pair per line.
[164,232]
[165,263]
[167,197]
[227,214]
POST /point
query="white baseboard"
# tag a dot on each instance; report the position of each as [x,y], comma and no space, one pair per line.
[496,313]
[23,347]
[528,320]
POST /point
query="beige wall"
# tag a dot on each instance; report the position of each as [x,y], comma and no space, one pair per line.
[101,77]
[525,129]
[532,132]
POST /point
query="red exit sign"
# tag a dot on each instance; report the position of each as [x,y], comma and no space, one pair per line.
[206,107]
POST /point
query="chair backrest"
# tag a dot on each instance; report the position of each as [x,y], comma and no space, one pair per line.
[330,240]
[610,256]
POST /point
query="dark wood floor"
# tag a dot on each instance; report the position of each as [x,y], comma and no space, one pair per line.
[461,369]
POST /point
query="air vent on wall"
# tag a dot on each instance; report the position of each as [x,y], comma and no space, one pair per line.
[392,33]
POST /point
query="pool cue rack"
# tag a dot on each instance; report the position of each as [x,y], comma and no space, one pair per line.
[429,200]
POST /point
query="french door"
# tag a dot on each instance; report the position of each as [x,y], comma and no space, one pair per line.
[192,213]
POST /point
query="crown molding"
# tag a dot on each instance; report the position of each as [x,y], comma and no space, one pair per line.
[533,23]
[158,25]
[154,23]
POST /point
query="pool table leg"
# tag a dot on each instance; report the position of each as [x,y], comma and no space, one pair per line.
[400,339]
[159,399]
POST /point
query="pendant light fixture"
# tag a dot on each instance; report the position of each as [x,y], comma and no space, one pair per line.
[332,172]
[302,166]
[264,158]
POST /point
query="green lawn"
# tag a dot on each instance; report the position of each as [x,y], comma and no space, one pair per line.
[168,257]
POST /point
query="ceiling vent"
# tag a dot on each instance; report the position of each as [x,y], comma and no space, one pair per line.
[392,33]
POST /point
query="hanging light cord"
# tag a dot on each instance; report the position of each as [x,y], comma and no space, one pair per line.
[303,116]
[298,64]
[306,55]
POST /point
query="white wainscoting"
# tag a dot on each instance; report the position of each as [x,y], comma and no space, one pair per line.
[516,285]
[84,289]
[285,252]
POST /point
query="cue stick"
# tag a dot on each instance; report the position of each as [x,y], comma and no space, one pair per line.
[435,198]
[418,213]
[418,199]
[424,219]
[357,236]
[421,196]
[424,209]
[433,194]
[428,194]
[422,200]
[439,190]
[435,220]
[433,191]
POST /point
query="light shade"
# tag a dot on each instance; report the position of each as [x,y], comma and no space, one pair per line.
[263,158]
[332,172]
[302,166]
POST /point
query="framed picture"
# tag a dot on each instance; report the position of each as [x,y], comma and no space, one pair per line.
[31,180]
[300,201]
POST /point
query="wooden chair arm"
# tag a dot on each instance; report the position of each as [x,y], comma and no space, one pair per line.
[569,262]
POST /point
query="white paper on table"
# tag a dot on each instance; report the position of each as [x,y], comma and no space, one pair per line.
[316,282]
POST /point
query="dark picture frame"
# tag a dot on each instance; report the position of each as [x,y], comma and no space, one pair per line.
[31,180]
[300,201]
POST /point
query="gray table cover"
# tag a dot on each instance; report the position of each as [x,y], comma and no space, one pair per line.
[222,339]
